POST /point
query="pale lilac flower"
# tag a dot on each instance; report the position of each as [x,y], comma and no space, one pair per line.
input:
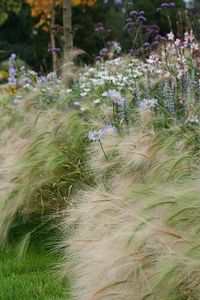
[193,119]
[12,70]
[54,49]
[110,129]
[142,19]
[177,42]
[32,73]
[146,104]
[146,45]
[117,2]
[116,97]
[170,36]
[99,27]
[164,5]
[96,135]
[170,107]
[181,73]
[133,13]
[103,52]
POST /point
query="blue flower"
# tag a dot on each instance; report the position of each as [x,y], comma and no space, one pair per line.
[117,2]
[116,97]
[96,135]
[110,129]
[170,107]
[146,104]
[12,70]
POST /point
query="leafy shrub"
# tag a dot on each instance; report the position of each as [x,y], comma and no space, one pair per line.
[3,76]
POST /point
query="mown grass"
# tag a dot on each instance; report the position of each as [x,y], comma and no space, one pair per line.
[31,277]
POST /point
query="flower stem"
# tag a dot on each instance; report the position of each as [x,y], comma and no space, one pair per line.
[103,150]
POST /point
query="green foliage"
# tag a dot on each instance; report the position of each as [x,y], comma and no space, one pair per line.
[7,6]
[31,277]
[3,76]
[47,163]
[30,45]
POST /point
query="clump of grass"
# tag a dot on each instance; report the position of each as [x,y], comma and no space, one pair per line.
[135,234]
[31,277]
[42,162]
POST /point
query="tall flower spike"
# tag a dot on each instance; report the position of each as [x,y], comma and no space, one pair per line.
[12,70]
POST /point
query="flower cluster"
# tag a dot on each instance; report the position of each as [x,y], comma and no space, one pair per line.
[54,49]
[97,134]
[166,5]
[99,27]
[116,97]
[12,69]
[147,104]
[116,2]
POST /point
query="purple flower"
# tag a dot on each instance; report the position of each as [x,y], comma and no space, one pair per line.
[110,129]
[133,13]
[134,52]
[13,56]
[159,37]
[146,45]
[99,27]
[103,52]
[12,70]
[117,2]
[164,5]
[116,97]
[154,44]
[96,135]
[54,50]
[146,104]
[32,73]
[98,58]
[170,107]
[128,25]
[142,19]
[152,29]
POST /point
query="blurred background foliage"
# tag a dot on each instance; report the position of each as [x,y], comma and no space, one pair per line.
[19,35]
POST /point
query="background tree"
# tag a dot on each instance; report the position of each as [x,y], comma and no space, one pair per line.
[7,6]
[67,26]
[45,10]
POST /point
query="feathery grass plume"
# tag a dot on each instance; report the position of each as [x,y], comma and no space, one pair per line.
[69,70]
[135,235]
[42,161]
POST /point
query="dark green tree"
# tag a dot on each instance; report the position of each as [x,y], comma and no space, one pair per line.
[7,6]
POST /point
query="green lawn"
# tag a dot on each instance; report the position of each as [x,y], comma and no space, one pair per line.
[30,278]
